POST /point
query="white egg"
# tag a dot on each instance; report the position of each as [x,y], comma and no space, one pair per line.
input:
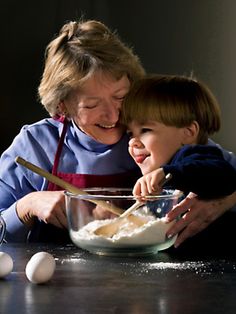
[40,267]
[6,264]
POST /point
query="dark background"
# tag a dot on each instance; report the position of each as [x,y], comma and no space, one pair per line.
[170,36]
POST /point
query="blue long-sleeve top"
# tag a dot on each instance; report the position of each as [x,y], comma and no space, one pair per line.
[203,170]
[37,143]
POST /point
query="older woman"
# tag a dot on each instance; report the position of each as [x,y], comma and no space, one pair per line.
[88,71]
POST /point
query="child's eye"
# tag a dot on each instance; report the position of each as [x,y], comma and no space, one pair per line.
[145,130]
[129,133]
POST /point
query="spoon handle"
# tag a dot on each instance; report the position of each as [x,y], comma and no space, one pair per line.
[139,203]
[65,185]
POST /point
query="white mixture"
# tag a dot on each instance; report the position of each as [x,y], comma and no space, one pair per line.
[153,232]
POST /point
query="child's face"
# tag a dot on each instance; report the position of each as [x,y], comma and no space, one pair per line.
[153,144]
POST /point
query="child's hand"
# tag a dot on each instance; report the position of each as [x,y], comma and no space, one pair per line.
[149,183]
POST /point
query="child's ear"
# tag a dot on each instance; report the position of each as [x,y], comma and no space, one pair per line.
[191,133]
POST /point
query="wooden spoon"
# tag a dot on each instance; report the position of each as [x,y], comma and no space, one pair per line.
[112,227]
[67,186]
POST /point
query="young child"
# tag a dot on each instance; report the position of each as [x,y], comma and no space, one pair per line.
[169,119]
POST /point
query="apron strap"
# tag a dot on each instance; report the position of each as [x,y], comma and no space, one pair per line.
[58,152]
[59,147]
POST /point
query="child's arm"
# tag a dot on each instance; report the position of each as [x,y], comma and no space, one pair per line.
[203,170]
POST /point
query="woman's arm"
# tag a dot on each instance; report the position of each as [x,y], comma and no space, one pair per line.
[197,215]
[22,195]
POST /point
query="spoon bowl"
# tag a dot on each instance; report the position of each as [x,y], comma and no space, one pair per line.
[111,228]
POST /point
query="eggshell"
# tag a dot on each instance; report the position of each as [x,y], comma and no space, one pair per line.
[40,267]
[6,264]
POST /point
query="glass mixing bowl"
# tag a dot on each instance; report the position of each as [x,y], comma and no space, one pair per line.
[2,229]
[141,233]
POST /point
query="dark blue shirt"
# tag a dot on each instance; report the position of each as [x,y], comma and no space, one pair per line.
[203,170]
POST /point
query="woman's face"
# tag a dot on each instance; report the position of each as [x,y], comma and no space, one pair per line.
[153,144]
[95,107]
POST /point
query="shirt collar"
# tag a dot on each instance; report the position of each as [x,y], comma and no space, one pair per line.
[88,142]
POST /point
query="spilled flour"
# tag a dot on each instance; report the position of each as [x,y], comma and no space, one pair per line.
[176,266]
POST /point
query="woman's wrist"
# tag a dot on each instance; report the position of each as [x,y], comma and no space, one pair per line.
[24,213]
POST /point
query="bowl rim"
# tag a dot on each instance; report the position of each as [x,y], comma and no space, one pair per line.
[173,194]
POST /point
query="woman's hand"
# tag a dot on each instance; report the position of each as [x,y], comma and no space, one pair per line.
[46,205]
[102,213]
[196,215]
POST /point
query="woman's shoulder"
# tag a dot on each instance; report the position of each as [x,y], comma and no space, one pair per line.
[36,142]
[42,125]
[42,133]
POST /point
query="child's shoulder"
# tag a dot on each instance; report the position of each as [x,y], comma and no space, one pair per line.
[204,150]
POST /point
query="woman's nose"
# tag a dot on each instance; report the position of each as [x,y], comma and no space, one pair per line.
[112,111]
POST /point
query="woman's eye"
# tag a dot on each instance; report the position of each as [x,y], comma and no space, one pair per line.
[121,98]
[90,106]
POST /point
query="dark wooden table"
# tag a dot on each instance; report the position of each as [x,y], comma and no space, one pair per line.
[86,283]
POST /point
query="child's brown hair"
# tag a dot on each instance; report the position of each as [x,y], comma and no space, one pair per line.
[174,101]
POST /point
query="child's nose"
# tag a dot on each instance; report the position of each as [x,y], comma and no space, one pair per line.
[135,142]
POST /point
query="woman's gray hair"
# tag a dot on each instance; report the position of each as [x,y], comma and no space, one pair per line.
[80,50]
